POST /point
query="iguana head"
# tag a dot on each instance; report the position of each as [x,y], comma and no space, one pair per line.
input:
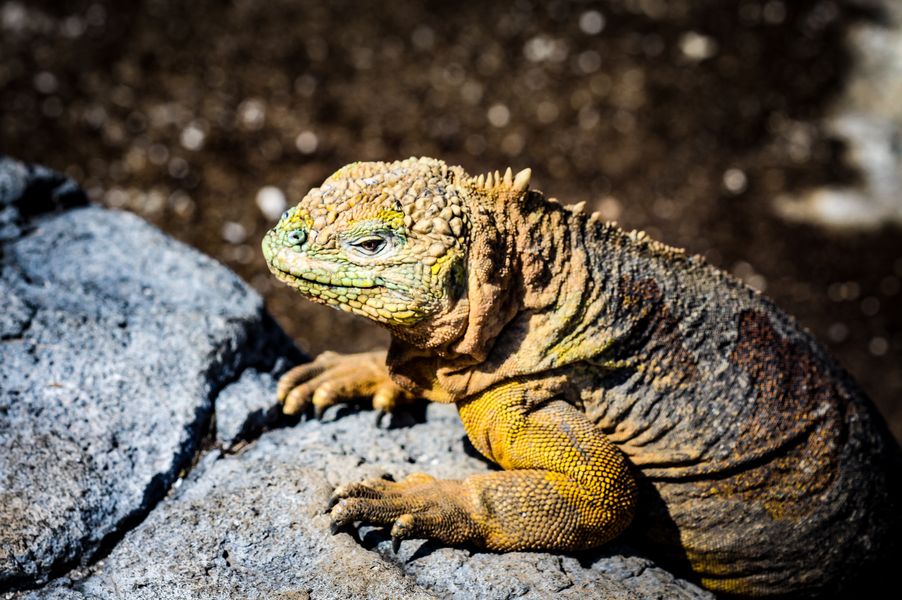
[387,241]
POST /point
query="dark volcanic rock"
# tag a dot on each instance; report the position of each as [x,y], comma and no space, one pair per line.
[115,341]
[120,352]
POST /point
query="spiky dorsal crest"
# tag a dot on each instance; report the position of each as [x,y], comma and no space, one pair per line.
[496,181]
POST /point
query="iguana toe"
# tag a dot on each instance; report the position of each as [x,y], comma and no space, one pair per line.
[420,506]
[404,528]
[294,377]
[338,379]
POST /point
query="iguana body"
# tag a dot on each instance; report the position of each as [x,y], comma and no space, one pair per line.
[601,370]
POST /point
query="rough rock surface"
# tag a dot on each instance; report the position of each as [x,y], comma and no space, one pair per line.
[114,345]
[245,408]
[121,353]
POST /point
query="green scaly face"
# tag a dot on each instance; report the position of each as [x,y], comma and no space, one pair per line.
[386,241]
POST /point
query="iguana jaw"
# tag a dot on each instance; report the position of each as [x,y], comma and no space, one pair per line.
[296,265]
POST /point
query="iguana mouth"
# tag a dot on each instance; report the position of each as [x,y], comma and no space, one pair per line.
[286,276]
[292,266]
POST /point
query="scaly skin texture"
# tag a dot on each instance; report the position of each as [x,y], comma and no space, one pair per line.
[609,375]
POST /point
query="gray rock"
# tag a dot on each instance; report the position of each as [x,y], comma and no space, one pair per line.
[242,412]
[114,341]
[27,191]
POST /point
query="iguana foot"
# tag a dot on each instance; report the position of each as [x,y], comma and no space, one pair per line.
[334,378]
[566,488]
[420,506]
[506,510]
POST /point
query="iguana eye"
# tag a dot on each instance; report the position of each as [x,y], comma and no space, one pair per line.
[370,245]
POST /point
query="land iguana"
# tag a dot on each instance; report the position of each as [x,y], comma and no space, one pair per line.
[609,375]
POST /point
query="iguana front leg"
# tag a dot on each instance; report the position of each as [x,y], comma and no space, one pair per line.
[566,487]
[334,378]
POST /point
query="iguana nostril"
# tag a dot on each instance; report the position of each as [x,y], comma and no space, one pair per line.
[296,237]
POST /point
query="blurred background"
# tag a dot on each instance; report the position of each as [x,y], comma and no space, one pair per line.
[763,135]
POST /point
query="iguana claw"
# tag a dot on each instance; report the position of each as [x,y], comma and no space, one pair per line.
[332,502]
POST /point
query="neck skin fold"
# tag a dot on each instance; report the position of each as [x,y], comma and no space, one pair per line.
[520,256]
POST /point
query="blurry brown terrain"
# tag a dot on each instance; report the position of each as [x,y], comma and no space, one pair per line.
[682,118]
